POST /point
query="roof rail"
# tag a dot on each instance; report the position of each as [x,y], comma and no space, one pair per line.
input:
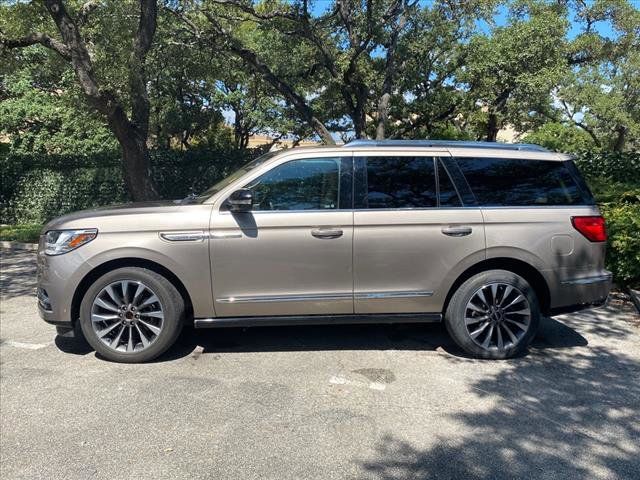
[445,143]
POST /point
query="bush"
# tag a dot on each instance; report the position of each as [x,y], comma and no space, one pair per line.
[623,252]
[614,179]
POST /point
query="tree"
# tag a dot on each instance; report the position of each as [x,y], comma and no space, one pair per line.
[131,130]
[512,71]
[601,94]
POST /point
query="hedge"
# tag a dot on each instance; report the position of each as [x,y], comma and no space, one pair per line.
[35,189]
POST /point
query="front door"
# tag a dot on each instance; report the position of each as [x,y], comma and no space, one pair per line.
[292,254]
[410,231]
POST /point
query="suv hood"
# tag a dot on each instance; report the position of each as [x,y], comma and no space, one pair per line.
[103,216]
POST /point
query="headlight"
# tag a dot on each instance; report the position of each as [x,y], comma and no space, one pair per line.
[57,242]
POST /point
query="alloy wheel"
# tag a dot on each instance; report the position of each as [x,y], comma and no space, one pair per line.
[497,316]
[127,316]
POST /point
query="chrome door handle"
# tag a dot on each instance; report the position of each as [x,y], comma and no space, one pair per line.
[457,231]
[326,232]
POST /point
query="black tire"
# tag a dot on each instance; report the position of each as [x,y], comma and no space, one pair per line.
[463,320]
[171,304]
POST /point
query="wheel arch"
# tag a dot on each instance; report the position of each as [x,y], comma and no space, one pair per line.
[519,267]
[111,265]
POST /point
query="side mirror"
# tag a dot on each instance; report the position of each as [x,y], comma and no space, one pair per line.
[240,200]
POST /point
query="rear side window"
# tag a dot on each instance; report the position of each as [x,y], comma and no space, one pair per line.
[398,182]
[522,182]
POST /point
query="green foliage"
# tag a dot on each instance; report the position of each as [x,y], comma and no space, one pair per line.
[559,137]
[49,186]
[614,179]
[623,252]
[20,233]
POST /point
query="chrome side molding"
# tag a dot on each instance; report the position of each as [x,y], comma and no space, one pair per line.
[286,298]
[387,295]
[323,297]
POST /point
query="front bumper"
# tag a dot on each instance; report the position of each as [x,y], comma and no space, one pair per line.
[57,280]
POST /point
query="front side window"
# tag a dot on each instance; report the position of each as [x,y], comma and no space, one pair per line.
[305,184]
[398,182]
[521,182]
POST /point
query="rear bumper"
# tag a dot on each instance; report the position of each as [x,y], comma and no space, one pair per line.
[578,293]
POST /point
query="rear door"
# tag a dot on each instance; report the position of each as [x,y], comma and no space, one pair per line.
[411,231]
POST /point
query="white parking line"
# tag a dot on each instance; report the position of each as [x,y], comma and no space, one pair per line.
[25,345]
[336,380]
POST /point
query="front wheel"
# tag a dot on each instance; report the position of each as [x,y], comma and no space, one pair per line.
[494,314]
[131,315]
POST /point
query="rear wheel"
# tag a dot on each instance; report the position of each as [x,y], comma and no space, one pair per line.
[131,315]
[494,314]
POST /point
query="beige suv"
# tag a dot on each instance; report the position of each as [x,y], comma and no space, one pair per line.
[486,237]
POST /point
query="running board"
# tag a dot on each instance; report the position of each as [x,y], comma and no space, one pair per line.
[317,320]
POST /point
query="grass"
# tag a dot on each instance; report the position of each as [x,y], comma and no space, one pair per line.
[20,233]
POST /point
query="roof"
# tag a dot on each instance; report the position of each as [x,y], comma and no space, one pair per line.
[447,144]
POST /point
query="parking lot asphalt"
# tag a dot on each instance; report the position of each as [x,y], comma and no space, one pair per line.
[379,402]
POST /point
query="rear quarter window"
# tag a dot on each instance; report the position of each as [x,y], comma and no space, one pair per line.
[523,182]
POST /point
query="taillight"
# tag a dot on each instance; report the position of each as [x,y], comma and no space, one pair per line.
[593,228]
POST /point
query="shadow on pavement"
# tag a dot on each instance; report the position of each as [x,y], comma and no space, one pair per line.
[430,337]
[17,273]
[556,416]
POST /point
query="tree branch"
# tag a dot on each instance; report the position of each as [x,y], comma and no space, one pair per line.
[38,38]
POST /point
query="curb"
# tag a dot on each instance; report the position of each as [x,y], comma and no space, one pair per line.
[635,298]
[31,247]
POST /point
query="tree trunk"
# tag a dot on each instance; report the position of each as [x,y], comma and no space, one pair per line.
[136,162]
[492,128]
[383,115]
[618,146]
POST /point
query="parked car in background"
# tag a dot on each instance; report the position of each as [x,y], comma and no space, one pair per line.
[483,236]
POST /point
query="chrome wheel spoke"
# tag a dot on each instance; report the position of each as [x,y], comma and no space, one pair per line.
[130,342]
[520,325]
[114,343]
[106,306]
[473,307]
[136,295]
[113,295]
[473,320]
[482,297]
[125,293]
[143,338]
[149,301]
[105,331]
[477,332]
[487,339]
[120,326]
[513,338]
[153,328]
[517,300]
[507,291]
[499,334]
[95,317]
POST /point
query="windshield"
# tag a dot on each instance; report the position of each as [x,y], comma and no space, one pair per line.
[234,176]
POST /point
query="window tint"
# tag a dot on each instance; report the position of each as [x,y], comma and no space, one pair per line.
[520,182]
[448,195]
[399,182]
[306,184]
